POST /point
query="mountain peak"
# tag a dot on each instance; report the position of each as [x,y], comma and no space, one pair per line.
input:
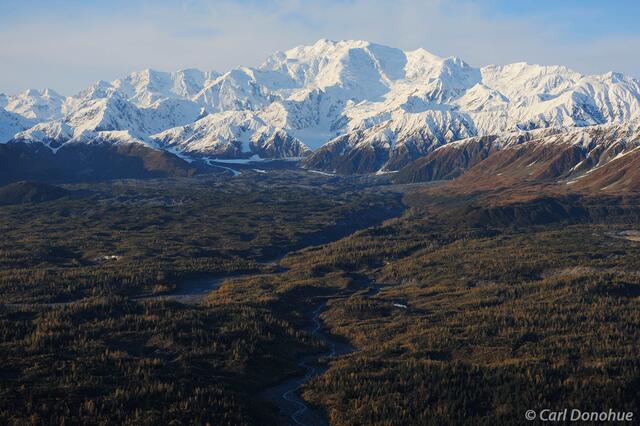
[323,42]
[614,77]
[46,92]
[348,95]
[424,54]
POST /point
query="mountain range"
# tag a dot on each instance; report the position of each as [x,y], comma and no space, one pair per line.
[340,107]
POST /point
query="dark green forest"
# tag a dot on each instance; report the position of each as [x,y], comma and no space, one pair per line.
[458,309]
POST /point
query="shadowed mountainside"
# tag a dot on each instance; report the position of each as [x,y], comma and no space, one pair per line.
[74,162]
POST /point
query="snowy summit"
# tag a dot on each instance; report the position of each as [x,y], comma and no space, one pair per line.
[372,104]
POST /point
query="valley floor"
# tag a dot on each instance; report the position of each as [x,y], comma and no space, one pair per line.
[457,309]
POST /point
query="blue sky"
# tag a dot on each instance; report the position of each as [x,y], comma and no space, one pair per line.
[66,45]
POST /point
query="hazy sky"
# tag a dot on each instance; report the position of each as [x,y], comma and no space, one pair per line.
[66,45]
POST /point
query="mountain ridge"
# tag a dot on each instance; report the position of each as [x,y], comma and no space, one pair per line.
[347,106]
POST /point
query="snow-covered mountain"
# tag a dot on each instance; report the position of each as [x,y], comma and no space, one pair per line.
[231,134]
[553,154]
[147,87]
[359,106]
[39,105]
[12,123]
[597,159]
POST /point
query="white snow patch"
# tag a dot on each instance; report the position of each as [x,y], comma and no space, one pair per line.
[386,172]
[322,173]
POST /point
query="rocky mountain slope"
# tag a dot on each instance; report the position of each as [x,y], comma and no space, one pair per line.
[596,158]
